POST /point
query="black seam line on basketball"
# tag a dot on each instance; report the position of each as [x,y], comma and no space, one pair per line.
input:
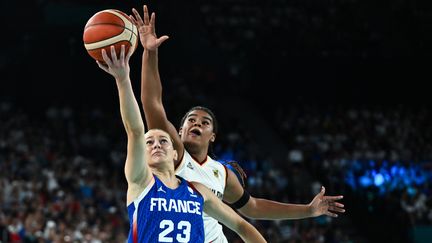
[130,38]
[107,46]
[122,26]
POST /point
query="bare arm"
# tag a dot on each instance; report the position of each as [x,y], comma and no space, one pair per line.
[227,216]
[258,208]
[137,172]
[151,86]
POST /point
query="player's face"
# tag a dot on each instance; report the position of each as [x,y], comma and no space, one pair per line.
[159,147]
[198,128]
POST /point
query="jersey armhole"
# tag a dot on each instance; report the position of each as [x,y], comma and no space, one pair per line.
[144,192]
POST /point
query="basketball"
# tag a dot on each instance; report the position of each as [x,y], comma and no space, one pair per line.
[107,28]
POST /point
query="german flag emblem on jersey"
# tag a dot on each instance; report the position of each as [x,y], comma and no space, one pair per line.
[216,173]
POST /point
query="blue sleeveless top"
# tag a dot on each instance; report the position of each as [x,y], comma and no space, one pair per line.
[161,214]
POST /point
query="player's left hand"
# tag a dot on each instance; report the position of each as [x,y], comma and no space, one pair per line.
[147,29]
[326,205]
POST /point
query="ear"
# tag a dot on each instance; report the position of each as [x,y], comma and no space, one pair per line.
[180,131]
[213,137]
[175,155]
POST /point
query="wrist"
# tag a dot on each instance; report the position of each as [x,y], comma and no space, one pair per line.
[150,53]
[310,210]
[122,81]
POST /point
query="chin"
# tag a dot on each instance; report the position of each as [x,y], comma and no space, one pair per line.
[190,144]
[157,162]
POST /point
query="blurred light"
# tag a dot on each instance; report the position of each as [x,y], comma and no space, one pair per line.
[365,181]
[378,179]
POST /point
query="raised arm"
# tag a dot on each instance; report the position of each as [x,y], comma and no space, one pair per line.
[227,216]
[258,208]
[136,170]
[151,86]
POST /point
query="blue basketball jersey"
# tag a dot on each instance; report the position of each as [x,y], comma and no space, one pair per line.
[161,214]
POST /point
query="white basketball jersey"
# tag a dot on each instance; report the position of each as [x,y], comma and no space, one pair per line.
[213,175]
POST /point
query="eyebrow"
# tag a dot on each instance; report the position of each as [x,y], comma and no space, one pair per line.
[205,117]
[162,136]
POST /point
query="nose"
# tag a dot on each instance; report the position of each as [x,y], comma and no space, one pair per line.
[197,124]
[156,145]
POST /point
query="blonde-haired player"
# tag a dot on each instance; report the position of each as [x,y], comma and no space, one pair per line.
[162,207]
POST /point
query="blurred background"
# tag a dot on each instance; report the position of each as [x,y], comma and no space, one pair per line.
[307,93]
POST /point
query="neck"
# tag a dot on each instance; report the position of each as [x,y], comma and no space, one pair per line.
[197,152]
[168,178]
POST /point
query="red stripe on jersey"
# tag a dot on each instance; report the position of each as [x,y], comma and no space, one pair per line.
[135,231]
[197,161]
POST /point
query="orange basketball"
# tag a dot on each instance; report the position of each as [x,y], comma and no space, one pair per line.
[106,28]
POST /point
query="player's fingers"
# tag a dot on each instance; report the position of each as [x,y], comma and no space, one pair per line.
[337,209]
[113,54]
[137,17]
[340,205]
[106,58]
[331,214]
[153,22]
[102,66]
[162,39]
[333,198]
[146,15]
[133,20]
[129,53]
[322,192]
[122,53]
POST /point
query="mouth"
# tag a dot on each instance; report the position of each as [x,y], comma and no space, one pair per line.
[157,153]
[195,132]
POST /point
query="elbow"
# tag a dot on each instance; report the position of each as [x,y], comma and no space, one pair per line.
[250,214]
[250,210]
[248,232]
[144,99]
[243,228]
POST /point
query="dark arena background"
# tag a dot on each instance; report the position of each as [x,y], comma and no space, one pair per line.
[307,93]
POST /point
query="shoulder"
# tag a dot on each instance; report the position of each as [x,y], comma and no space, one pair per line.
[215,164]
[183,160]
[202,189]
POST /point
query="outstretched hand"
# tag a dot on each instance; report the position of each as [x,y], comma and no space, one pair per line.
[326,205]
[146,29]
[117,67]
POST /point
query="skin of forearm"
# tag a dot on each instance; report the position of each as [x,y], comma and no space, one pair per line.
[266,209]
[151,87]
[129,109]
[248,233]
